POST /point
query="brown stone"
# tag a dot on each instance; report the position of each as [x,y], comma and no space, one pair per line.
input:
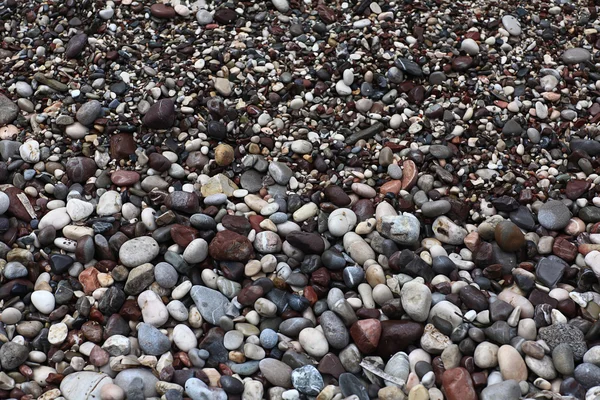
[80,169]
[158,162]
[307,242]
[363,209]
[336,195]
[255,221]
[237,223]
[564,249]
[89,280]
[230,246]
[392,186]
[183,201]
[366,334]
[248,295]
[122,146]
[162,11]
[92,331]
[16,207]
[458,385]
[224,154]
[124,178]
[577,187]
[397,336]
[183,235]
[130,310]
[462,63]
[330,364]
[508,236]
[409,174]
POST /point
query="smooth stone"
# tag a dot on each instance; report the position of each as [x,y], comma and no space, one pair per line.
[554,215]
[125,377]
[84,385]
[576,55]
[512,365]
[212,304]
[138,251]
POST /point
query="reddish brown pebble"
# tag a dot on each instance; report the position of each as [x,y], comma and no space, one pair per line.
[366,334]
[458,385]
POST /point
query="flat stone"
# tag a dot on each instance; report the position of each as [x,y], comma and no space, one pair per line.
[211,304]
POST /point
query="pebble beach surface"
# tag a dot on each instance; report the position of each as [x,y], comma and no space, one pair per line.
[290,199]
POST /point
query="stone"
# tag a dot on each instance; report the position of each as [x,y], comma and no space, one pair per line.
[508,236]
[79,210]
[276,372]
[446,231]
[402,229]
[124,380]
[313,342]
[8,111]
[196,251]
[416,300]
[509,390]
[397,336]
[161,114]
[512,25]
[76,45]
[351,385]
[211,304]
[307,380]
[486,355]
[138,251]
[139,278]
[152,341]
[230,246]
[13,355]
[576,55]
[334,330]
[458,384]
[154,312]
[109,203]
[43,301]
[588,375]
[84,385]
[554,215]
[366,334]
[559,333]
[88,112]
[512,365]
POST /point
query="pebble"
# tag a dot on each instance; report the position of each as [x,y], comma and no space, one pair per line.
[237,203]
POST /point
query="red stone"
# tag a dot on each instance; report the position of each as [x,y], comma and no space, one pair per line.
[392,186]
[130,310]
[366,334]
[564,249]
[183,235]
[162,11]
[248,295]
[576,188]
[255,221]
[89,280]
[124,178]
[237,224]
[16,208]
[230,246]
[458,385]
[409,174]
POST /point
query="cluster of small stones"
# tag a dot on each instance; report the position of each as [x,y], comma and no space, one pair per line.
[290,199]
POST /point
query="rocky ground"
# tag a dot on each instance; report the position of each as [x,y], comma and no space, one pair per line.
[299,199]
